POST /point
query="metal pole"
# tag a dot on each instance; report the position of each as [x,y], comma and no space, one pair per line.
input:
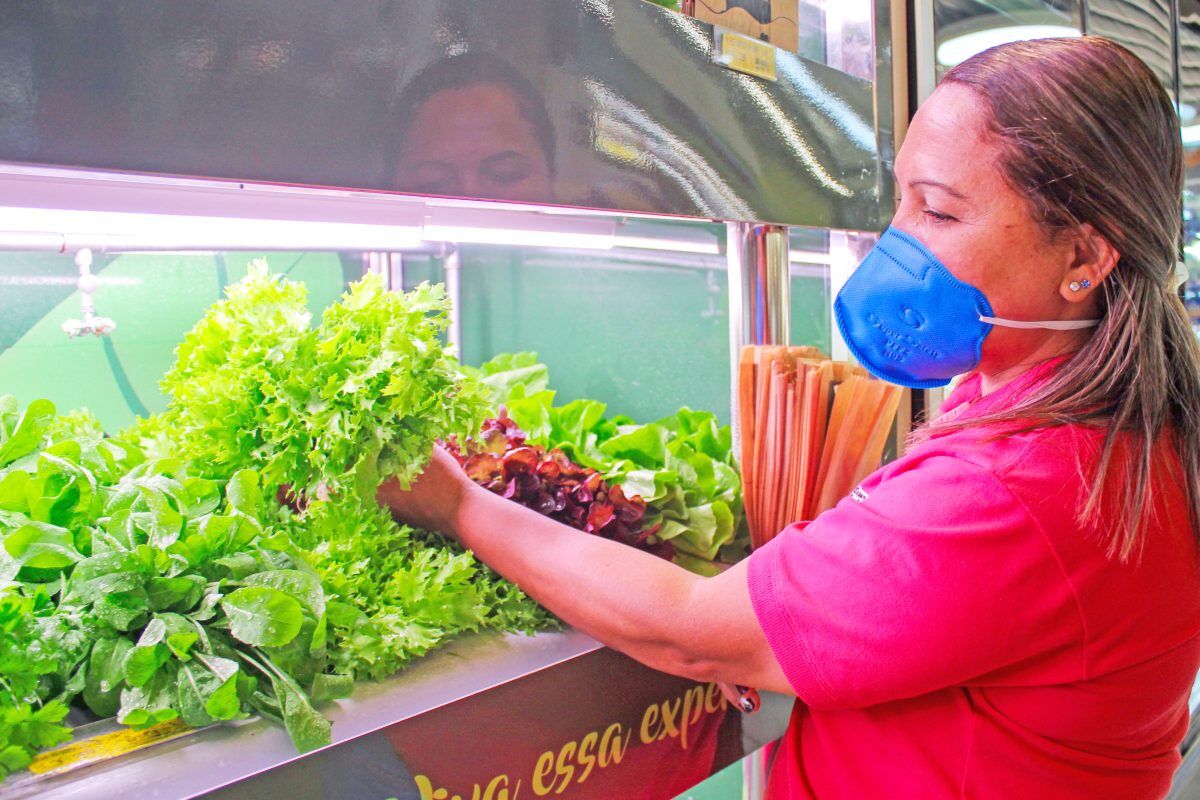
[372,265]
[759,294]
[759,314]
[925,48]
[389,266]
[452,265]
[395,272]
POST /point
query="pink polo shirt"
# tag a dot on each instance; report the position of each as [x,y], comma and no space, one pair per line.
[951,631]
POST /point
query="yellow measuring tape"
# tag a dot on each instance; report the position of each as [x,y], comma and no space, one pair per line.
[105,746]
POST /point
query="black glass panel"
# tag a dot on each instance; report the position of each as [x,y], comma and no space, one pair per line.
[610,104]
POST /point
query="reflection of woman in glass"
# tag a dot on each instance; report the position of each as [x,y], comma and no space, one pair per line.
[472,126]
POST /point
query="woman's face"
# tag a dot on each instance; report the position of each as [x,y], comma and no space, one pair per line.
[473,141]
[955,200]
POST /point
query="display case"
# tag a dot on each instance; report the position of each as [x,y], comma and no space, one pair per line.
[586,180]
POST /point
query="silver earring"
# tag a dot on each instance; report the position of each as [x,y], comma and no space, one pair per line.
[1074,286]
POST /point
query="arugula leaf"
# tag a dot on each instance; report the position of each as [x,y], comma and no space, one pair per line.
[180,593]
[305,725]
[303,586]
[148,655]
[331,687]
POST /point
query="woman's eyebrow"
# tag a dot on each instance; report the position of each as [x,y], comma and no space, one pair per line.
[950,190]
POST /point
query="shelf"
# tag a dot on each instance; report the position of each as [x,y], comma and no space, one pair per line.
[487,714]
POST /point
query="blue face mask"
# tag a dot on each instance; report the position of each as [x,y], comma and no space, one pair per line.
[909,321]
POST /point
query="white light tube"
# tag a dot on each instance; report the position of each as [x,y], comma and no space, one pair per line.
[710,248]
[523,228]
[122,231]
[66,210]
[809,257]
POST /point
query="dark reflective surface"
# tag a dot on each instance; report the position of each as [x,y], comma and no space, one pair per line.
[598,103]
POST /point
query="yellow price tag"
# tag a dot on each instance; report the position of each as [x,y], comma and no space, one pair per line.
[105,746]
[747,55]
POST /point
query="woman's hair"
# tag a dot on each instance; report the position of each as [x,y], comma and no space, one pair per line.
[1090,136]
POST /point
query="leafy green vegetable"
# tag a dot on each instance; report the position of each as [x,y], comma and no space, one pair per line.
[151,576]
[362,396]
[207,690]
[40,545]
[505,372]
[682,465]
[26,729]
[392,594]
[148,655]
[30,719]
[22,435]
[262,616]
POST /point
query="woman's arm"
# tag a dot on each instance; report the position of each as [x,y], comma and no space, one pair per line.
[641,605]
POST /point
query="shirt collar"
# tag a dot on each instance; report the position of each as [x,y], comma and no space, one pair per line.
[965,401]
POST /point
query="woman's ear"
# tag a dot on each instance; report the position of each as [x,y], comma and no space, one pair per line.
[1094,258]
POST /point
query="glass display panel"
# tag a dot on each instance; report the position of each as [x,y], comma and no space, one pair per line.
[154,299]
[643,331]
[809,262]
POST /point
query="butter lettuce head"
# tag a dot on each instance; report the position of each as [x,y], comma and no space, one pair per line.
[682,465]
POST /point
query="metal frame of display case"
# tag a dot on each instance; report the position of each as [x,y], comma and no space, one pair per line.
[511,702]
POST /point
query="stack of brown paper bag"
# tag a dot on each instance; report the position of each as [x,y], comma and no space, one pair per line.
[811,430]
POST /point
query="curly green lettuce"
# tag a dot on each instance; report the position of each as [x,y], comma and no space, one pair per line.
[362,396]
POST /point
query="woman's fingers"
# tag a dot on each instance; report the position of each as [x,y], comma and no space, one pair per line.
[741,697]
[431,502]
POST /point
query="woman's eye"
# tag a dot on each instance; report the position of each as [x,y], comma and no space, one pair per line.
[938,216]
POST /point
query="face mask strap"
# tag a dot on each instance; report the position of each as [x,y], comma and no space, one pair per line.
[1051,324]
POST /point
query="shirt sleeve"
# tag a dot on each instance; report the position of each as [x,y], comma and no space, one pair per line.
[934,577]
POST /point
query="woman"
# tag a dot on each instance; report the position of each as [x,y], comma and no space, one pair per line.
[1011,609]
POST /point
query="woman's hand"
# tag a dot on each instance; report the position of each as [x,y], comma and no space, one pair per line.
[434,499]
